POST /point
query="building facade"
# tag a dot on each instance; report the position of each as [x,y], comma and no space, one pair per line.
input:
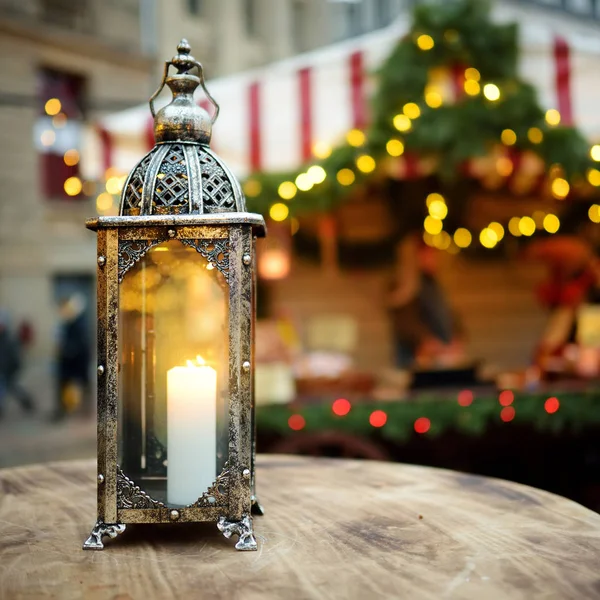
[65,63]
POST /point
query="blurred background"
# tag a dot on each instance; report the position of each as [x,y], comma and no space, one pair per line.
[429,171]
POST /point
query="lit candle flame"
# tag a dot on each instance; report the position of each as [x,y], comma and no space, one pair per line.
[200,360]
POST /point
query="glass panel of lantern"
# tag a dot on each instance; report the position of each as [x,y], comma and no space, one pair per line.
[173,374]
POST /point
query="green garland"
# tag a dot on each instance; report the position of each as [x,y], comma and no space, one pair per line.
[576,411]
[463,37]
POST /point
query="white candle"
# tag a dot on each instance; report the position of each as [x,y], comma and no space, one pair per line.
[191,431]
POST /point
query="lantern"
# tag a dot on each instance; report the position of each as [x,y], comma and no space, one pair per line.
[176,304]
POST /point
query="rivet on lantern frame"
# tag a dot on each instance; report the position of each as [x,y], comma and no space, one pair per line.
[180,192]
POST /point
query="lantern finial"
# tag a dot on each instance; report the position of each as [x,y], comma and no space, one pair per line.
[183,120]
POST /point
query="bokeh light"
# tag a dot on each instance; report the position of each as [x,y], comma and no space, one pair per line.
[513,226]
[507,414]
[551,405]
[552,117]
[104,202]
[378,418]
[491,91]
[321,150]
[497,229]
[535,135]
[508,137]
[355,137]
[462,237]
[365,163]
[402,122]
[412,110]
[560,188]
[341,407]
[296,422]
[488,238]
[438,209]
[504,166]
[594,213]
[48,137]
[304,182]
[551,223]
[252,188]
[432,225]
[71,157]
[73,186]
[279,212]
[595,152]
[317,174]
[52,106]
[395,148]
[345,177]
[593,176]
[422,425]
[472,73]
[506,398]
[287,190]
[442,240]
[465,398]
[114,184]
[433,197]
[472,87]
[526,226]
[425,42]
[433,98]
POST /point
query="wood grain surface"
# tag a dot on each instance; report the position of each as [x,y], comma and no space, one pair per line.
[333,529]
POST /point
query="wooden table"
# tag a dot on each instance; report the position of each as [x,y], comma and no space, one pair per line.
[333,529]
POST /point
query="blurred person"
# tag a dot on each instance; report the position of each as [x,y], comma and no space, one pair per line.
[573,280]
[74,356]
[10,366]
[425,329]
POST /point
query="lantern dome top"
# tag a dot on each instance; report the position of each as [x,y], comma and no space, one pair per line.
[181,175]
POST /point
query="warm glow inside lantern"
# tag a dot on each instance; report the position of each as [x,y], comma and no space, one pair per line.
[176,286]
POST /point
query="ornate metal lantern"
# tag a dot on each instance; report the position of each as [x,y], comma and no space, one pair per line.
[176,305]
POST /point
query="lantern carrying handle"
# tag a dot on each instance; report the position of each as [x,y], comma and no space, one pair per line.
[184,63]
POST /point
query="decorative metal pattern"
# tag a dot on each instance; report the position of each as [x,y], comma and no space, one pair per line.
[134,187]
[175,179]
[216,186]
[131,251]
[216,495]
[130,495]
[171,189]
[216,252]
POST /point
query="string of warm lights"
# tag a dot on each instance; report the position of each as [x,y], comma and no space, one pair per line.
[397,420]
[489,237]
[427,108]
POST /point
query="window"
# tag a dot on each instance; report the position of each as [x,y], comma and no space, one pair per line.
[354,18]
[66,13]
[195,7]
[383,12]
[298,24]
[250,14]
[57,132]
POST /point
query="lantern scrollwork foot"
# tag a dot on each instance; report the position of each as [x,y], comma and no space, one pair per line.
[112,530]
[256,507]
[242,528]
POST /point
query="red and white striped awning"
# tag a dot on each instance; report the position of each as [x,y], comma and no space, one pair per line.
[272,117]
